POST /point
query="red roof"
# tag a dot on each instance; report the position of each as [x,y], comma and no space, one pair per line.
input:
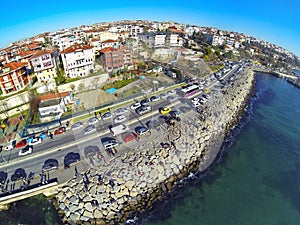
[40,53]
[107,49]
[14,65]
[109,41]
[75,48]
[50,96]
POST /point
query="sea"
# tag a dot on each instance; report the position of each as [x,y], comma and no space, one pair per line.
[256,179]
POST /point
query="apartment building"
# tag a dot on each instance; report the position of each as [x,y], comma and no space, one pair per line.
[13,77]
[114,59]
[78,60]
[44,64]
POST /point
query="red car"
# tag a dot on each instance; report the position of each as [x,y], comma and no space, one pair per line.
[60,130]
[21,143]
[127,137]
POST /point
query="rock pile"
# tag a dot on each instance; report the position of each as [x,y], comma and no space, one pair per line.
[133,181]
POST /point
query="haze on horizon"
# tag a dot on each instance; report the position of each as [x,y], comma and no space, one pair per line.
[272,21]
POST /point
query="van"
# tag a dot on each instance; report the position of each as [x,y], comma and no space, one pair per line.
[118,129]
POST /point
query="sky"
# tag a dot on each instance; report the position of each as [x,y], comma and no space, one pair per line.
[273,21]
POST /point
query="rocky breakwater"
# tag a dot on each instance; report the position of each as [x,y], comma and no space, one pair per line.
[130,183]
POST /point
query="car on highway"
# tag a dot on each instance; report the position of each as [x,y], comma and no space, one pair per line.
[71,158]
[106,116]
[141,130]
[109,143]
[145,101]
[93,120]
[119,119]
[89,129]
[120,111]
[35,141]
[135,105]
[172,98]
[50,164]
[154,98]
[19,174]
[60,130]
[21,143]
[164,110]
[143,109]
[77,126]
[25,151]
[3,177]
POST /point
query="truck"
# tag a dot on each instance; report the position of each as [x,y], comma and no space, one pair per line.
[118,129]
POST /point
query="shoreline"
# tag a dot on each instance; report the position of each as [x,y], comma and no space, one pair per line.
[143,177]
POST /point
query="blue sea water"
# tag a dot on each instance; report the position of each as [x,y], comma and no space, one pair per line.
[257,180]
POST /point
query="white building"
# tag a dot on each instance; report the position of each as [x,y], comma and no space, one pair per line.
[64,40]
[160,40]
[78,60]
[44,65]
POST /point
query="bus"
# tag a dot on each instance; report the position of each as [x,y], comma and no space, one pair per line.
[189,90]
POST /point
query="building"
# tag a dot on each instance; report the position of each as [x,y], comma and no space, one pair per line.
[78,60]
[115,58]
[44,64]
[53,105]
[13,77]
[153,40]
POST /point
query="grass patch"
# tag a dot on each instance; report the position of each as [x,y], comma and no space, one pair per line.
[118,84]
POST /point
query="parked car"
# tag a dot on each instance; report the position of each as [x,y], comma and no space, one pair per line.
[60,130]
[163,95]
[175,114]
[21,143]
[19,174]
[127,137]
[135,105]
[145,101]
[109,143]
[77,126]
[196,104]
[36,140]
[172,98]
[142,130]
[154,98]
[119,119]
[165,110]
[106,116]
[10,145]
[43,135]
[193,100]
[171,92]
[71,158]
[3,177]
[143,109]
[93,120]
[89,129]
[120,111]
[25,151]
[91,150]
[50,164]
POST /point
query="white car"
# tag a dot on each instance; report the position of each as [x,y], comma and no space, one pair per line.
[8,147]
[106,116]
[196,104]
[25,151]
[93,120]
[193,100]
[121,111]
[89,129]
[163,95]
[35,141]
[172,92]
[119,119]
[135,105]
[77,126]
